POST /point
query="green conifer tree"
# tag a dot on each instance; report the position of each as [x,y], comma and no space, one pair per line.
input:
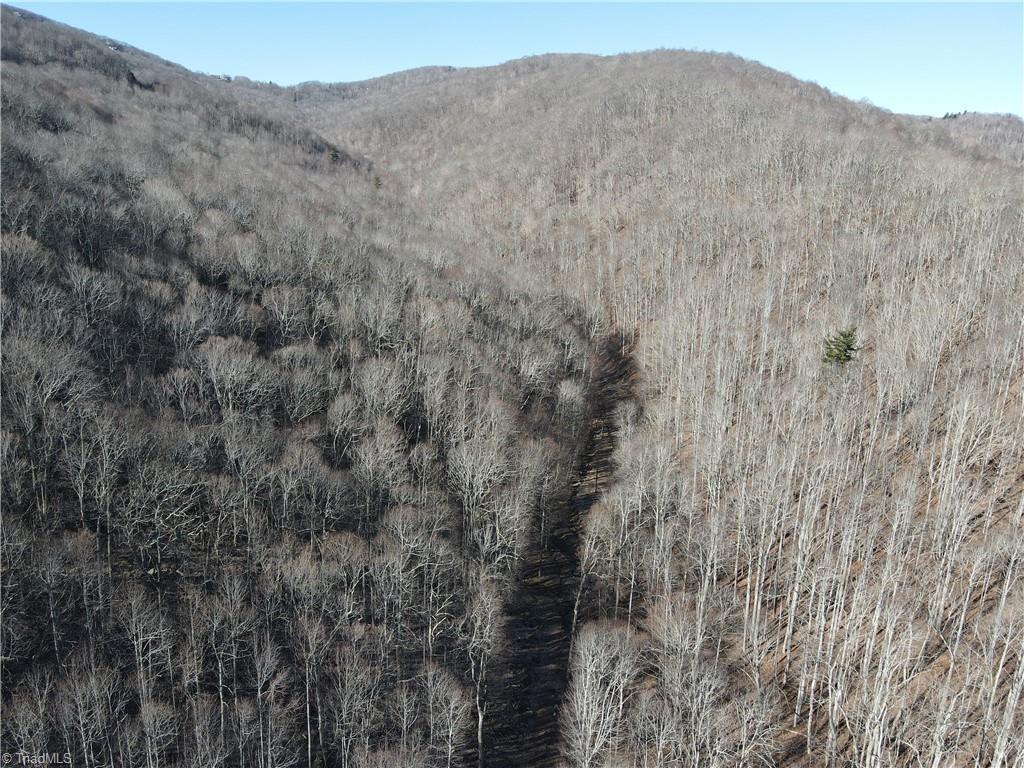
[841,346]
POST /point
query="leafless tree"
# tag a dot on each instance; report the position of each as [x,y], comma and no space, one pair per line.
[481,633]
[449,713]
[604,665]
[239,379]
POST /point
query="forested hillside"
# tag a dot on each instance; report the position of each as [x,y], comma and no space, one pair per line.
[485,417]
[801,561]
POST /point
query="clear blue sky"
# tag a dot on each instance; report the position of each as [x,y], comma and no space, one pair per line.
[921,58]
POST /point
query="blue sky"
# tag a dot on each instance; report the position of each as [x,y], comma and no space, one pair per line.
[921,58]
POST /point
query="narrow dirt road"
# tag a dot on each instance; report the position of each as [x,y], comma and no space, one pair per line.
[531,674]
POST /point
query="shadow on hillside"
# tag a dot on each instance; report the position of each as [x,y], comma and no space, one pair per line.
[532,673]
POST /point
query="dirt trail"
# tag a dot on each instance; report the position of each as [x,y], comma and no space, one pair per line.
[531,674]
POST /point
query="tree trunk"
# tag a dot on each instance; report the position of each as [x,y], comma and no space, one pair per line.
[309,730]
[479,731]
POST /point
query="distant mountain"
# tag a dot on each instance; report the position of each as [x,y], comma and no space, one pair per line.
[647,410]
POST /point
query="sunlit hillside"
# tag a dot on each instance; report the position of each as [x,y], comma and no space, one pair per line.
[803,560]
[648,410]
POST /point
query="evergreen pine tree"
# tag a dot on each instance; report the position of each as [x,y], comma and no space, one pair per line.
[841,346]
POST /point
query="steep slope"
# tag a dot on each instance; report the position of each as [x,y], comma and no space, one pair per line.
[818,562]
[349,328]
[266,446]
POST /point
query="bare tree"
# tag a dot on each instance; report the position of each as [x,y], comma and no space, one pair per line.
[449,713]
[240,381]
[480,633]
[604,665]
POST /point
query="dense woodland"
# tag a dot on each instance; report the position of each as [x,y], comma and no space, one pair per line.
[486,417]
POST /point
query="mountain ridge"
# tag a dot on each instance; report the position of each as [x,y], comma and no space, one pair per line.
[292,378]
